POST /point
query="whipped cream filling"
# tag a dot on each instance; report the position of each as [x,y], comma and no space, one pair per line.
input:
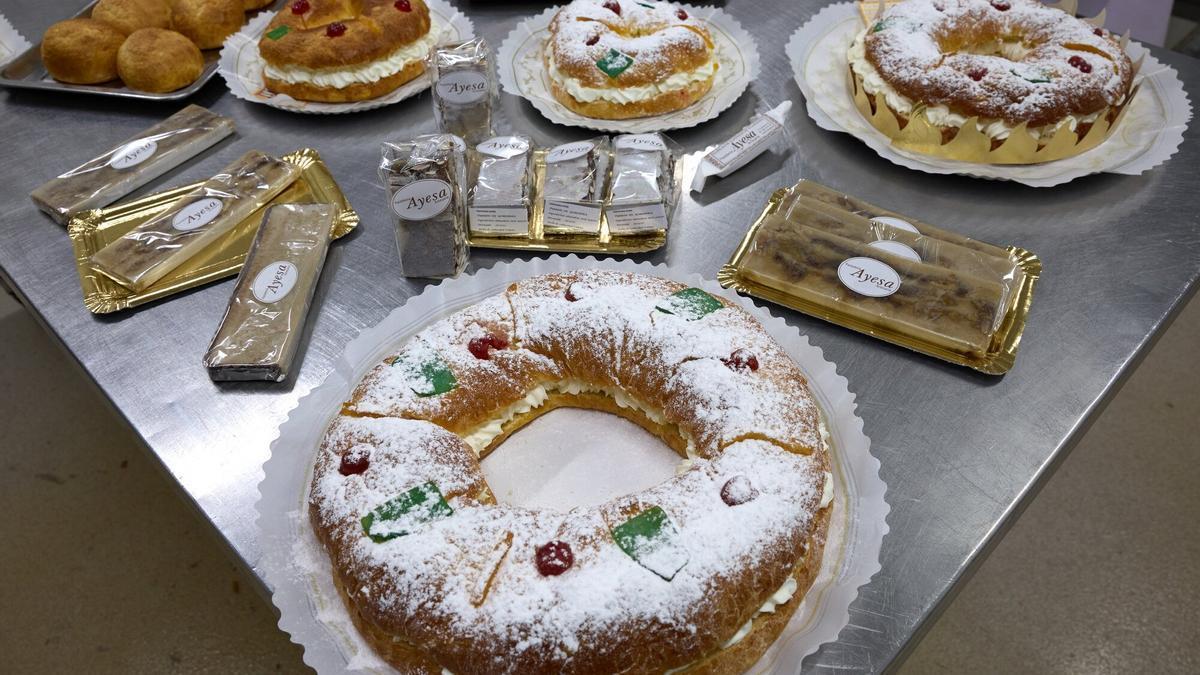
[674,82]
[942,116]
[368,73]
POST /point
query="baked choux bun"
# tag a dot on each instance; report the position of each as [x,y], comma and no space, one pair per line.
[81,51]
[128,16]
[158,60]
[250,5]
[207,22]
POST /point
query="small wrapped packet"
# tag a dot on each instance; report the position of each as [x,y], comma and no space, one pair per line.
[747,144]
[264,322]
[464,89]
[499,202]
[573,188]
[149,251]
[643,189]
[425,182]
[963,301]
[135,162]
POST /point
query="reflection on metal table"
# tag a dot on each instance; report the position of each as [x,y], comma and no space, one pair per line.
[962,452]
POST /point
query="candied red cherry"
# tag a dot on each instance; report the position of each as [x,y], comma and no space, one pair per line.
[738,490]
[741,360]
[1001,5]
[592,40]
[681,14]
[354,461]
[977,74]
[481,347]
[554,558]
[571,297]
[612,6]
[1080,64]
[300,6]
[403,5]
[335,29]
[1099,31]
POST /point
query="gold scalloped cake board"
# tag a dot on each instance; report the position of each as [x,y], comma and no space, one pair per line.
[972,145]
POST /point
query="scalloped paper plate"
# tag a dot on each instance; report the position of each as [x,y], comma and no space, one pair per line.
[241,65]
[522,74]
[12,43]
[1148,136]
[297,568]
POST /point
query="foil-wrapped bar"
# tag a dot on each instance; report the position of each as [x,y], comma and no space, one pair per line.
[149,251]
[464,89]
[642,192]
[499,202]
[264,322]
[573,188]
[425,182]
[132,163]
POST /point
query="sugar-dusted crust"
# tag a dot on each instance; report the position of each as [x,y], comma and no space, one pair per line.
[939,52]
[356,91]
[609,110]
[463,593]
[373,30]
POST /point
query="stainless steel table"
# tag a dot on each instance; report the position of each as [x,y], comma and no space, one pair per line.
[962,453]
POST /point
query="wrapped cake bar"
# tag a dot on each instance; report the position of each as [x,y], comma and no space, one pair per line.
[424,179]
[133,163]
[643,188]
[499,202]
[573,188]
[936,292]
[149,251]
[264,322]
[464,89]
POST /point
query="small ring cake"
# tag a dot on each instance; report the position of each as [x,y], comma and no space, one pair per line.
[1006,64]
[338,51]
[618,59]
[697,574]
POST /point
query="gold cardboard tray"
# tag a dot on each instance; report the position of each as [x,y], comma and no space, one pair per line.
[92,230]
[604,243]
[1001,353]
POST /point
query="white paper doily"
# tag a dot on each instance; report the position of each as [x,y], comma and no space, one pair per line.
[523,74]
[11,42]
[297,568]
[241,65]
[1149,134]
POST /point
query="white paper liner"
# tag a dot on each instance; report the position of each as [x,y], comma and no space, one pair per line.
[523,74]
[12,43]
[241,65]
[298,570]
[1149,134]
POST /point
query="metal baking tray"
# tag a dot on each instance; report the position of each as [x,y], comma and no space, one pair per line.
[26,71]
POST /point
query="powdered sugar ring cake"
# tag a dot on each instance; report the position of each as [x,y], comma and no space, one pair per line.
[699,573]
[1006,62]
[619,59]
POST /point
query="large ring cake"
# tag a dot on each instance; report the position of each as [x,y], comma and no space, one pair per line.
[618,59]
[338,51]
[1001,81]
[697,574]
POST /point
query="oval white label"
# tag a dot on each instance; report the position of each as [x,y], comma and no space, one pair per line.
[275,281]
[869,277]
[133,153]
[897,223]
[896,249]
[504,146]
[197,214]
[640,142]
[464,86]
[567,151]
[422,199]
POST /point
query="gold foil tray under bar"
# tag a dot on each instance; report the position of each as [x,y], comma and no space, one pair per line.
[1001,353]
[92,230]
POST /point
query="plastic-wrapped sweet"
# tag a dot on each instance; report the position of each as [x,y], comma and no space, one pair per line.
[499,202]
[464,89]
[425,181]
[573,188]
[643,190]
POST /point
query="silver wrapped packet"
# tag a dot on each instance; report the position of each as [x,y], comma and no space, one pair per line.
[425,180]
[133,163]
[264,322]
[643,191]
[499,202]
[149,251]
[573,189]
[464,89]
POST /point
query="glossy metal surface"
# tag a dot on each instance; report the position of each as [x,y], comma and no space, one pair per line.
[961,451]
